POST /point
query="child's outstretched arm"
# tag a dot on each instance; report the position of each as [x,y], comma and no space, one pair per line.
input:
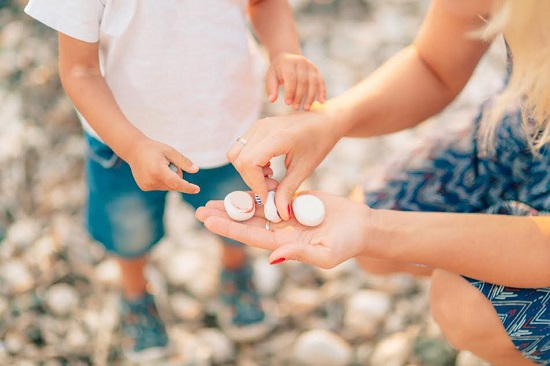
[302,81]
[84,84]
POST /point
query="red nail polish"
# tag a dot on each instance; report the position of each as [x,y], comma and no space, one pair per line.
[289,209]
[266,175]
[267,165]
[277,261]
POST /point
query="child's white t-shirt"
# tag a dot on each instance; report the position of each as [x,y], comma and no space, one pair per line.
[185,72]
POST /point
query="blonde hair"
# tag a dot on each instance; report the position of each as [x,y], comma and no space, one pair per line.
[525,25]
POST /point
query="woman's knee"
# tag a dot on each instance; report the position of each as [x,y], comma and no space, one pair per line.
[449,312]
[466,318]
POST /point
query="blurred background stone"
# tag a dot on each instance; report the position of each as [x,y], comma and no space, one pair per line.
[58,290]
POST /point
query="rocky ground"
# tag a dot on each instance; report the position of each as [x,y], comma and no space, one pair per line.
[58,289]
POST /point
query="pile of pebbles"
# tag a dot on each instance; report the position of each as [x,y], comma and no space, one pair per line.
[58,290]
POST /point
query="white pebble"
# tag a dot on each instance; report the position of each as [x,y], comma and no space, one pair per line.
[308,210]
[321,347]
[239,205]
[62,299]
[270,210]
[365,311]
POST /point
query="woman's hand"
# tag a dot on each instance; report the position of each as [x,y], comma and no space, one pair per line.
[305,139]
[150,160]
[342,235]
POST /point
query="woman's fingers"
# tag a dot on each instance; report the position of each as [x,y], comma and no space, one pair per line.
[271,137]
[316,255]
[252,233]
[267,171]
[253,167]
[235,149]
[286,190]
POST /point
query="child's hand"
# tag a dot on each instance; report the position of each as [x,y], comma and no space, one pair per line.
[150,162]
[301,79]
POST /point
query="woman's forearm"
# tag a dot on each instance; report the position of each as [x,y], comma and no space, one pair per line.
[416,83]
[506,250]
[399,95]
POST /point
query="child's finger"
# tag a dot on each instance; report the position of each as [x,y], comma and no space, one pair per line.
[174,182]
[312,91]
[301,85]
[181,161]
[289,81]
[322,88]
[176,170]
[272,85]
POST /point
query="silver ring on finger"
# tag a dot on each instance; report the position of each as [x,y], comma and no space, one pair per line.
[242,140]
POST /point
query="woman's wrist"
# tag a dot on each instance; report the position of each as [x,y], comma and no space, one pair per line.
[342,116]
[380,230]
[333,115]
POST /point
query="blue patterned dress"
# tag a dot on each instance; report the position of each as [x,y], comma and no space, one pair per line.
[456,177]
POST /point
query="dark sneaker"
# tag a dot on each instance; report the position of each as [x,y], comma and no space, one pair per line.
[241,316]
[144,336]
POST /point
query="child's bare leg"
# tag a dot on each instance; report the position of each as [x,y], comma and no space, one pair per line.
[133,281]
[381,266]
[470,322]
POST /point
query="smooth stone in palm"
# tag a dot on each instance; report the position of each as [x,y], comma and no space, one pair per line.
[239,205]
[308,209]
[270,210]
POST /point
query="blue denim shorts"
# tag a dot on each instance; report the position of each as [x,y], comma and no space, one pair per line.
[127,221]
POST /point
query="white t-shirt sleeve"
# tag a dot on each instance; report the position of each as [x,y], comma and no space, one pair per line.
[79,19]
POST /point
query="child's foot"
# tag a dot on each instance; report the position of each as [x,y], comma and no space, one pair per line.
[242,317]
[144,336]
